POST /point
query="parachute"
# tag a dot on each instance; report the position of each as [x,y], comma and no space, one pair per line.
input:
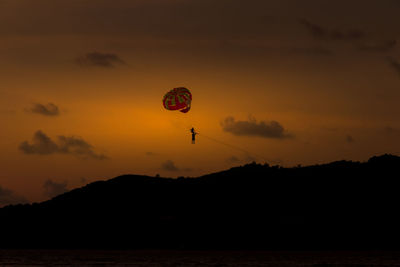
[178,98]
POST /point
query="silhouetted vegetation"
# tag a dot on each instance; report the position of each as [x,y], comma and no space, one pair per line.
[340,205]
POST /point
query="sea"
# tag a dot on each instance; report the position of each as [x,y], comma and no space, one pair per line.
[198,258]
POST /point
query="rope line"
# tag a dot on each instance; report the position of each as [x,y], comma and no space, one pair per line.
[233,146]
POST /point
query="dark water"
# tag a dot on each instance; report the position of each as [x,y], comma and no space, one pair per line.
[195,258]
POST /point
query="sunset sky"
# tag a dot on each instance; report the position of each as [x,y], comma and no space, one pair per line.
[287,82]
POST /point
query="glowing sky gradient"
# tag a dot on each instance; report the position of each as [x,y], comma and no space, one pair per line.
[94,72]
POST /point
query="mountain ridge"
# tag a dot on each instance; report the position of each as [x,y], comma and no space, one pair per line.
[338,205]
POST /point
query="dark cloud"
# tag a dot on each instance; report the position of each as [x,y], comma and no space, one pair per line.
[9,197]
[77,146]
[169,165]
[319,32]
[43,145]
[378,47]
[97,59]
[52,189]
[48,110]
[394,64]
[251,127]
[349,139]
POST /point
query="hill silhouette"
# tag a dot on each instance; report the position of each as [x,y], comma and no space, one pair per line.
[340,205]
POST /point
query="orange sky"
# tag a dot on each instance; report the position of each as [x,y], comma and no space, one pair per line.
[329,74]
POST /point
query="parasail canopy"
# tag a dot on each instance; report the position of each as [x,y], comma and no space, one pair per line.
[178,98]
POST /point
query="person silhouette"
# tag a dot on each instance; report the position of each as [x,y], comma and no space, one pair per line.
[193,135]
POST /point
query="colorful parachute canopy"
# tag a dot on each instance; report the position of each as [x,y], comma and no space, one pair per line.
[178,99]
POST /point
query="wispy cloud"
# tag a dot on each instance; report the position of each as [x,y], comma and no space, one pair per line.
[378,46]
[97,59]
[49,109]
[319,32]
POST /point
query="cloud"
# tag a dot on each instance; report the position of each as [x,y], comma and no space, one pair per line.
[52,189]
[8,197]
[314,29]
[233,159]
[97,59]
[391,130]
[48,110]
[169,165]
[378,47]
[394,64]
[319,32]
[77,146]
[250,158]
[251,127]
[43,145]
[349,139]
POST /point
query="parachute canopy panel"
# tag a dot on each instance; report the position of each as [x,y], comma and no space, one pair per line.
[178,98]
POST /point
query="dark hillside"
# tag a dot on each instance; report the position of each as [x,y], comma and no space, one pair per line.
[340,205]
